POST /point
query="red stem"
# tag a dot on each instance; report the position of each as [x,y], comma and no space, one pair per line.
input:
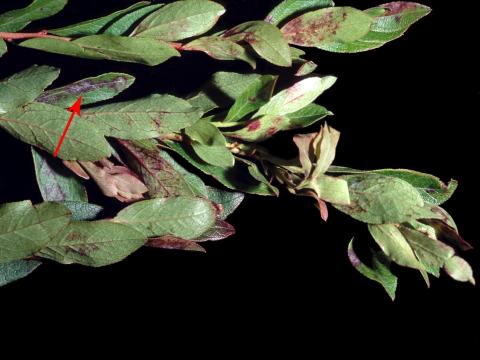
[20,36]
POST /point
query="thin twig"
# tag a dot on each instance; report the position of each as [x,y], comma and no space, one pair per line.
[8,36]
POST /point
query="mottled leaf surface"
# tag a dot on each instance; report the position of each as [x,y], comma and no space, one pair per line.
[431,188]
[162,175]
[180,20]
[97,243]
[328,29]
[144,118]
[377,199]
[92,90]
[184,217]
[23,87]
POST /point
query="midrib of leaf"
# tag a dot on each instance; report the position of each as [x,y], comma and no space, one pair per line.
[163,218]
[271,47]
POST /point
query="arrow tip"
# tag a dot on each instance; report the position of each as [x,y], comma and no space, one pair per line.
[75,108]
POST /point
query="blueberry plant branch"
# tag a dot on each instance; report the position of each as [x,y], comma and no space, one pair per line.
[134,150]
[152,33]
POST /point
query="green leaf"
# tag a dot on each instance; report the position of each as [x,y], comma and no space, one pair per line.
[15,20]
[16,270]
[25,229]
[82,211]
[97,243]
[307,116]
[56,183]
[379,272]
[23,87]
[125,23]
[92,90]
[390,21]
[180,20]
[144,118]
[288,8]
[229,200]
[42,125]
[210,144]
[431,253]
[394,245]
[214,155]
[184,217]
[3,47]
[306,68]
[237,178]
[458,269]
[378,199]
[222,90]
[221,49]
[266,39]
[258,93]
[330,189]
[95,26]
[260,129]
[431,188]
[331,29]
[268,125]
[162,175]
[297,97]
[116,48]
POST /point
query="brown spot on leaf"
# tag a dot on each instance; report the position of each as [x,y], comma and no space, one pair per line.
[254,125]
[272,131]
[309,32]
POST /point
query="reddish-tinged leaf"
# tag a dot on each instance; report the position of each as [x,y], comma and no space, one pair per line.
[174,243]
[221,230]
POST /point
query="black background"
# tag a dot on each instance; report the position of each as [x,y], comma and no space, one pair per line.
[409,104]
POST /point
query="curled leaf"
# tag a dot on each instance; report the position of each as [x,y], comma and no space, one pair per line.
[115,181]
[379,272]
[266,39]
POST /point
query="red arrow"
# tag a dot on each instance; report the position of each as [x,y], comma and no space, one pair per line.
[74,109]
